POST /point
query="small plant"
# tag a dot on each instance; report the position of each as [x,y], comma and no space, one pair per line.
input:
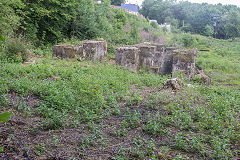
[188,40]
[120,132]
[3,118]
[40,149]
[122,154]
[154,24]
[143,149]
[4,100]
[135,99]
[179,156]
[153,125]
[164,149]
[180,142]
[2,38]
[54,139]
[116,111]
[132,118]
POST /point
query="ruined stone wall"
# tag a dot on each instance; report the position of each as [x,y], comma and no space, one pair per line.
[157,58]
[184,61]
[167,60]
[67,51]
[128,57]
[89,50]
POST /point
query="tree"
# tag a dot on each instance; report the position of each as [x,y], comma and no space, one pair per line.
[10,21]
[194,17]
[48,21]
[232,24]
[146,7]
[84,20]
[117,2]
[208,30]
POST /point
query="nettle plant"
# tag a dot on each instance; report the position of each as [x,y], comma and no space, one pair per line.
[3,118]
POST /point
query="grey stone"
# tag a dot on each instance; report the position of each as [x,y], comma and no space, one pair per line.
[66,51]
[128,57]
[184,61]
[146,56]
[94,50]
[157,58]
[167,60]
[174,84]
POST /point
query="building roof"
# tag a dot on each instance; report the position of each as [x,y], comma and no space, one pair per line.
[130,7]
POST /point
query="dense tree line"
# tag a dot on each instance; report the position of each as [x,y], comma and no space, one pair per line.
[51,21]
[220,21]
[117,2]
[45,20]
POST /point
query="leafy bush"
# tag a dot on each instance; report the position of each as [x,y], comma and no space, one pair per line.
[188,40]
[10,20]
[14,50]
[154,24]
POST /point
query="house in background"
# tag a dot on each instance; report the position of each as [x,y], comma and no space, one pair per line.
[150,21]
[167,26]
[130,7]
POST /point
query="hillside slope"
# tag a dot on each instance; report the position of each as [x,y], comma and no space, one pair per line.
[67,109]
[82,110]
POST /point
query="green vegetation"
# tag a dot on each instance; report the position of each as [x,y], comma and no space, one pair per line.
[66,109]
[96,101]
[219,21]
[117,2]
[222,61]
[46,23]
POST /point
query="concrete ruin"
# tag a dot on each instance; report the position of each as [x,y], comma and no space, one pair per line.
[89,50]
[157,58]
[128,57]
[184,61]
[67,51]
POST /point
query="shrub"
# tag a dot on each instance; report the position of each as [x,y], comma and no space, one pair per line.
[14,50]
[188,40]
[154,24]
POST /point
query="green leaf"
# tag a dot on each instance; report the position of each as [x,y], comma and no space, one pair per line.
[4,116]
[1,149]
[1,38]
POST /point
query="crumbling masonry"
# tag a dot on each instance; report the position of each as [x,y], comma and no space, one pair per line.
[87,50]
[157,58]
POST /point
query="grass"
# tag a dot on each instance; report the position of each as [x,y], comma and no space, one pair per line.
[67,109]
[222,62]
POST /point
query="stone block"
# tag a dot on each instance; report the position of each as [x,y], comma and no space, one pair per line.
[146,56]
[157,62]
[174,84]
[184,61]
[66,51]
[159,47]
[127,56]
[167,60]
[94,50]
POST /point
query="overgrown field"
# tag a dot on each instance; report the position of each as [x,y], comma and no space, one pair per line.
[222,62]
[66,109]
[83,110]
